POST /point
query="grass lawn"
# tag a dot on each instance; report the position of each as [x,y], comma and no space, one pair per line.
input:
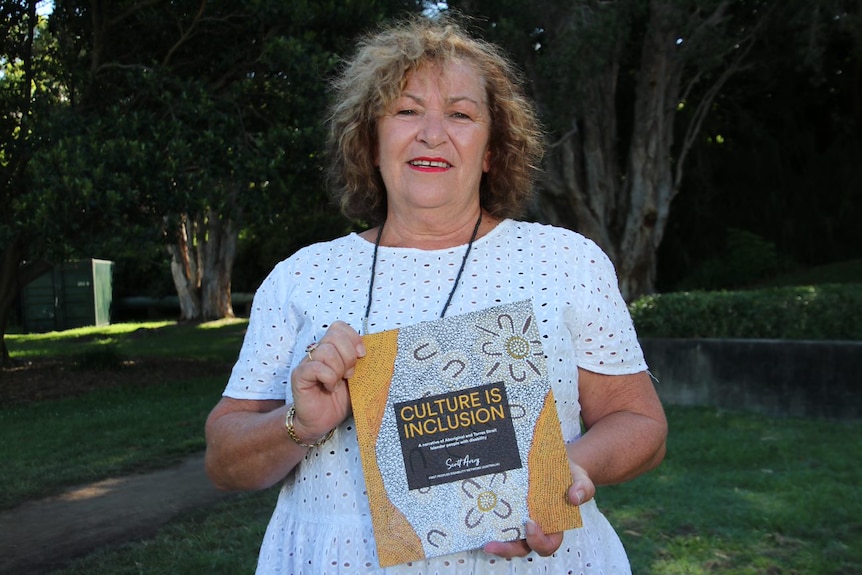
[126,398]
[737,493]
[746,494]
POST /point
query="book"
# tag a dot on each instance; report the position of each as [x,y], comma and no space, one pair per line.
[458,434]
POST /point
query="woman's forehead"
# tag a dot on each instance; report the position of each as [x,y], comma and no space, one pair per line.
[454,77]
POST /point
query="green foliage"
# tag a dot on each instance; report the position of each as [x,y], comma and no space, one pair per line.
[835,273]
[27,87]
[560,45]
[187,108]
[747,260]
[788,167]
[822,312]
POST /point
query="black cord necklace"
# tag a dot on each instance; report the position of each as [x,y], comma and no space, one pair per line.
[454,286]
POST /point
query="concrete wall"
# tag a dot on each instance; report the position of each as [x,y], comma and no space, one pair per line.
[773,377]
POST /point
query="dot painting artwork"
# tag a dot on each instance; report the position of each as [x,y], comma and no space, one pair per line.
[458,434]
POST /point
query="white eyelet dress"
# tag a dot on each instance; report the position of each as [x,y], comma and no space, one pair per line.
[321,523]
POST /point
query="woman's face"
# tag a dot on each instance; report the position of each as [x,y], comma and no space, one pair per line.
[433,139]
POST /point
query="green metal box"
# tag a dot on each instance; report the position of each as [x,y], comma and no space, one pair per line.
[73,294]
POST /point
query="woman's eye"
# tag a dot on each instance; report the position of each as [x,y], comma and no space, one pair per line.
[406,112]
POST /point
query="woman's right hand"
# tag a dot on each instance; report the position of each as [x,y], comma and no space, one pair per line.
[319,383]
[247,444]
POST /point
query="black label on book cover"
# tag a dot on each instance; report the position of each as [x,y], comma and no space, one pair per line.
[457,435]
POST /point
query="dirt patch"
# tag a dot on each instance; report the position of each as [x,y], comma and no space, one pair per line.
[56,378]
[42,536]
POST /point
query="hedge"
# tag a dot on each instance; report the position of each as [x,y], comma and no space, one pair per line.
[822,312]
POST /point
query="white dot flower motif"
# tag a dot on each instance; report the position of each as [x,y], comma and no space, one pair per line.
[510,348]
[486,503]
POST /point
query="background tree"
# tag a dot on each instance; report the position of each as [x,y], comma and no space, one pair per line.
[624,88]
[215,107]
[774,182]
[130,122]
[138,127]
[24,88]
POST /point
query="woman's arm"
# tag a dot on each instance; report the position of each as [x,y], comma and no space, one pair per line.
[248,445]
[625,427]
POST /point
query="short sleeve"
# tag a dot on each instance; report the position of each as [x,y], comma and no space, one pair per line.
[599,320]
[262,370]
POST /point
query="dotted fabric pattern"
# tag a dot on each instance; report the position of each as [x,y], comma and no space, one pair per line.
[321,523]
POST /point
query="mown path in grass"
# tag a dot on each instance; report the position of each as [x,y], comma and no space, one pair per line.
[42,535]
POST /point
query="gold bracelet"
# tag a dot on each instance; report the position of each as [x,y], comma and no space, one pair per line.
[288,423]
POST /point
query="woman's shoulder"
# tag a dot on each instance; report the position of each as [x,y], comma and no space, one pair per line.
[550,236]
[316,256]
[319,252]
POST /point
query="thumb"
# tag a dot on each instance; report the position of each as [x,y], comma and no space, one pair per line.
[582,489]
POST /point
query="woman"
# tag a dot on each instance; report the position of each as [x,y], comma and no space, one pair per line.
[432,142]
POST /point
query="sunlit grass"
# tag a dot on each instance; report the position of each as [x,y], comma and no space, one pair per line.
[216,340]
[36,339]
[51,444]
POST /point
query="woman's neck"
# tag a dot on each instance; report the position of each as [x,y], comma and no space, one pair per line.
[433,234]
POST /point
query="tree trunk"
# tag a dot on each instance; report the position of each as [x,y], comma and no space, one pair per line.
[649,187]
[184,270]
[624,206]
[202,257]
[582,173]
[14,275]
[219,254]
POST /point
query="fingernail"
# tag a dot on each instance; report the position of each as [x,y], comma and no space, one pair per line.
[360,350]
[531,527]
[580,495]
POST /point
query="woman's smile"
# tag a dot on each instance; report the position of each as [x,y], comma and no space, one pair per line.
[430,164]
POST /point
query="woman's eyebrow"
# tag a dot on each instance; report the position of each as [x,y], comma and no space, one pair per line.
[457,99]
[449,101]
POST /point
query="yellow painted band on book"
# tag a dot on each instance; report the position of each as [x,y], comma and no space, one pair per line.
[550,476]
[369,389]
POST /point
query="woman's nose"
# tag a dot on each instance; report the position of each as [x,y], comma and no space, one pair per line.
[432,131]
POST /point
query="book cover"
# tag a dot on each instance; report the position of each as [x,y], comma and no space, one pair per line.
[458,434]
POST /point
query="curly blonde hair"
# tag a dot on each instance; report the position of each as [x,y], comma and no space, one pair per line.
[374,78]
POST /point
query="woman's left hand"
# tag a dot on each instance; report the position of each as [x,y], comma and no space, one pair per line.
[581,491]
[536,540]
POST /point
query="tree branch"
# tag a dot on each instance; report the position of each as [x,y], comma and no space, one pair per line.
[131,10]
[736,65]
[185,34]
